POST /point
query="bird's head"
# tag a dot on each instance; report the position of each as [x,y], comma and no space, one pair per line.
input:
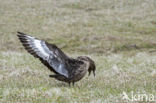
[92,66]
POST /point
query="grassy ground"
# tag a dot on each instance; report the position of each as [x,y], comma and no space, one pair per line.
[120,35]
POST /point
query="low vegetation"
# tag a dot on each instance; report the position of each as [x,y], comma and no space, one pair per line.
[120,35]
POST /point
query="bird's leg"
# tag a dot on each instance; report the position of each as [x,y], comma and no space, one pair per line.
[89,73]
[73,83]
[69,84]
[94,73]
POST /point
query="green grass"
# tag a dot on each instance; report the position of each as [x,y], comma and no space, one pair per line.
[119,35]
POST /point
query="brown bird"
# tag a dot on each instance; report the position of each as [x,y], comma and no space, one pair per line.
[65,69]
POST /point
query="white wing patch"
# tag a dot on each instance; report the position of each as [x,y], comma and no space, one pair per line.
[63,71]
[40,48]
[30,37]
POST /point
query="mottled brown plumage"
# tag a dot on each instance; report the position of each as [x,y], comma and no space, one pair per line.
[65,69]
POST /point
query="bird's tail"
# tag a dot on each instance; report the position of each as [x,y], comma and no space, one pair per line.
[52,76]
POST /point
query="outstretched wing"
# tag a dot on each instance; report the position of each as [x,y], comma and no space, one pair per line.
[47,53]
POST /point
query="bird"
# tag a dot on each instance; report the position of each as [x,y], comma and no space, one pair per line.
[64,68]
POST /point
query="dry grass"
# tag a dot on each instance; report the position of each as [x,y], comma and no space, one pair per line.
[23,80]
[119,35]
[100,26]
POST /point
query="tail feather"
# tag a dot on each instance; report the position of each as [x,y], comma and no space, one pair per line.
[52,76]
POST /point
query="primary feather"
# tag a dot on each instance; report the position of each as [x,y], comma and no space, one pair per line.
[39,48]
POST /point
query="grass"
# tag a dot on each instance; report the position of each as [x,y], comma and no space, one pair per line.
[119,35]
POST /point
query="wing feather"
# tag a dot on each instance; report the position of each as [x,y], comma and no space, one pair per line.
[47,53]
